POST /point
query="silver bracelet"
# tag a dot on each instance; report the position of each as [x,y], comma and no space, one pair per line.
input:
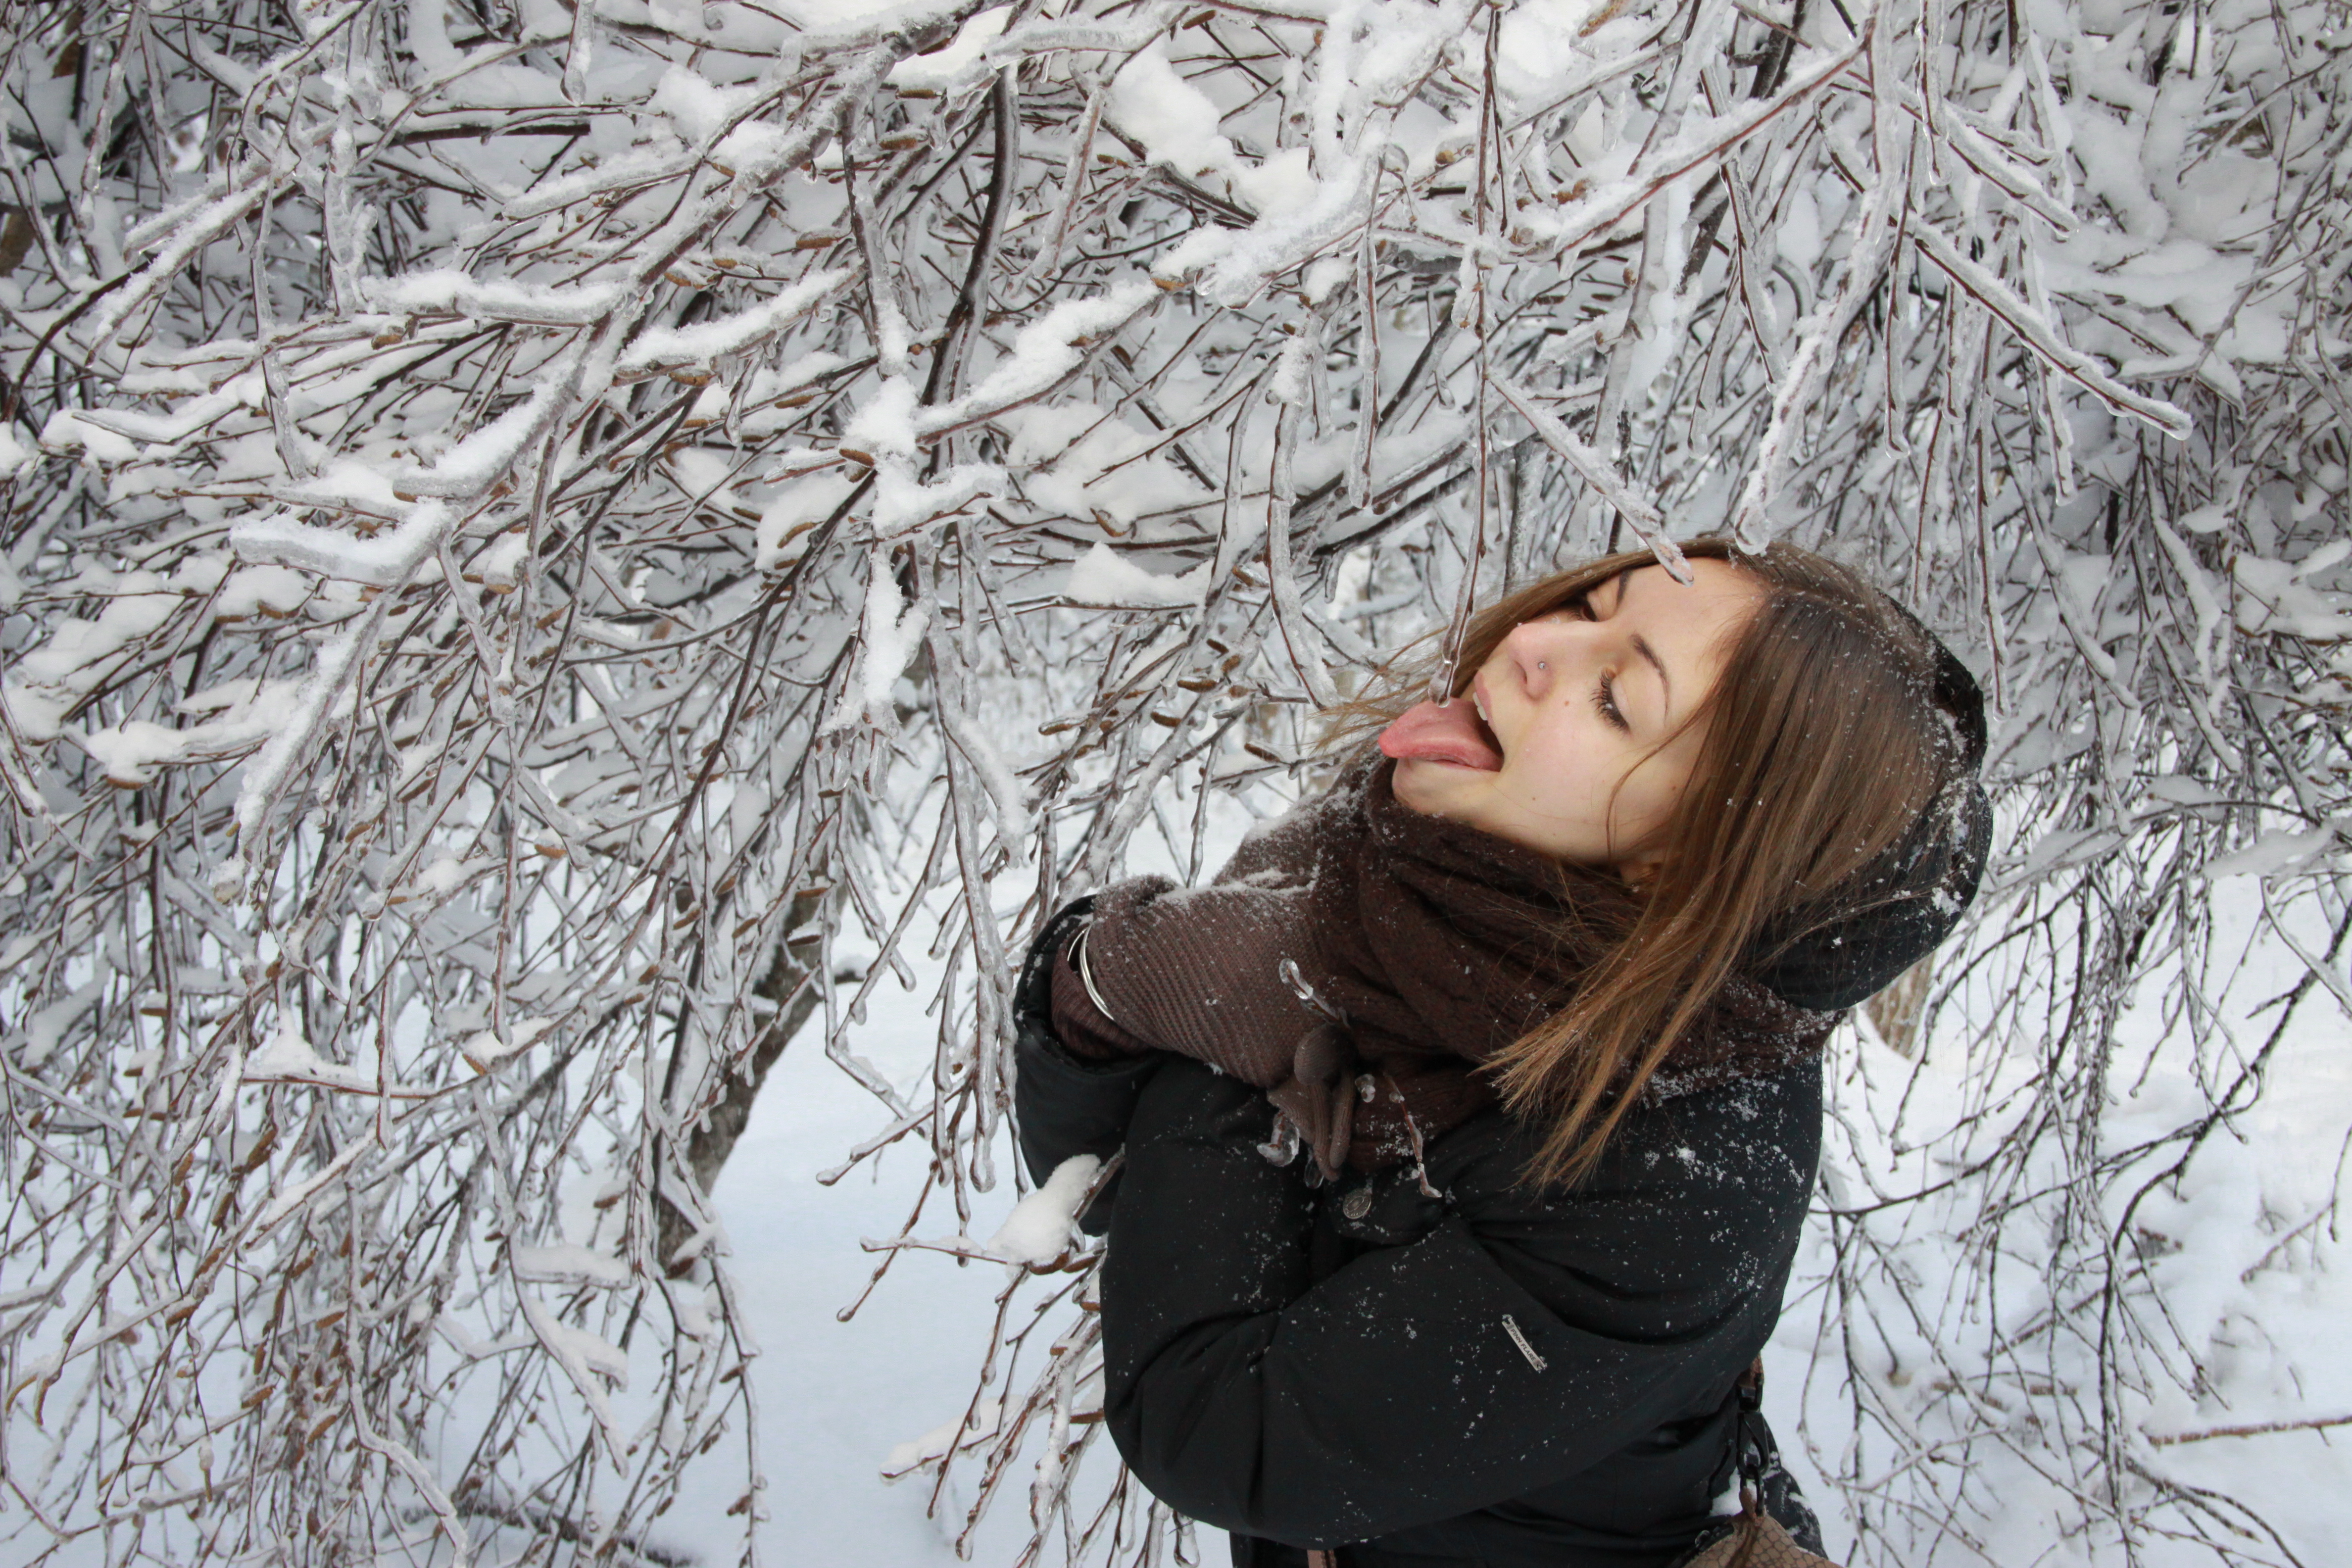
[1086,974]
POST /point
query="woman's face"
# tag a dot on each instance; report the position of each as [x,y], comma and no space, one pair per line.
[1558,745]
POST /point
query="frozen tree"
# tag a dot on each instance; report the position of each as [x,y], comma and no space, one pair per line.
[551,545]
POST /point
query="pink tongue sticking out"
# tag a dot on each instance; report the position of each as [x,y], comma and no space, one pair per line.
[1448,734]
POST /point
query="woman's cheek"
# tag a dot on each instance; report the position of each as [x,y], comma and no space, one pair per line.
[1653,788]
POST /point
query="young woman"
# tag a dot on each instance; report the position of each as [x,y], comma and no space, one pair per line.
[1541,984]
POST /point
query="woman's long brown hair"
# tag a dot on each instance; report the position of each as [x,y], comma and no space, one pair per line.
[1822,746]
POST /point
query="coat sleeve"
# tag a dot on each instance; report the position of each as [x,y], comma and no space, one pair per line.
[1063,1104]
[1417,1382]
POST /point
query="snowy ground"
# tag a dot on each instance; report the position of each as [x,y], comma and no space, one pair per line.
[2254,1282]
[837,1397]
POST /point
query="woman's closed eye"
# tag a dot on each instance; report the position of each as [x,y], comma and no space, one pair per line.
[1604,694]
[1604,698]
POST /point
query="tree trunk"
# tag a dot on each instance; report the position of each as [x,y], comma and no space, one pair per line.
[793,985]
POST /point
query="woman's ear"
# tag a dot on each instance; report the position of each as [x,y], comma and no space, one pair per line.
[1637,871]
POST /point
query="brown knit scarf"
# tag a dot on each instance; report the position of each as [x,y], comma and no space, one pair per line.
[1423,948]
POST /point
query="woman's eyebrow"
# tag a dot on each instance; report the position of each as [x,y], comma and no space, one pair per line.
[1641,646]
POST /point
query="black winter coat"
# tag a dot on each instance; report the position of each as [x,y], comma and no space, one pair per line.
[1496,1375]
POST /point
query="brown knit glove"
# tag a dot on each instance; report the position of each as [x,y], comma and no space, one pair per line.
[1198,971]
[1083,1029]
[1319,1095]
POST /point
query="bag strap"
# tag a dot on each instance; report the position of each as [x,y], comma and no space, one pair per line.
[1747,1454]
[1754,1537]
[1748,1439]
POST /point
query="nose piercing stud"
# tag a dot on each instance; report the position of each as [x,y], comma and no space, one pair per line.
[1541,665]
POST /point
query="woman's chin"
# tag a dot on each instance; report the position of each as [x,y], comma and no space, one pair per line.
[1405,782]
[1435,786]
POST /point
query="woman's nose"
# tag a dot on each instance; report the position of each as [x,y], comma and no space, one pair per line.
[1541,649]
